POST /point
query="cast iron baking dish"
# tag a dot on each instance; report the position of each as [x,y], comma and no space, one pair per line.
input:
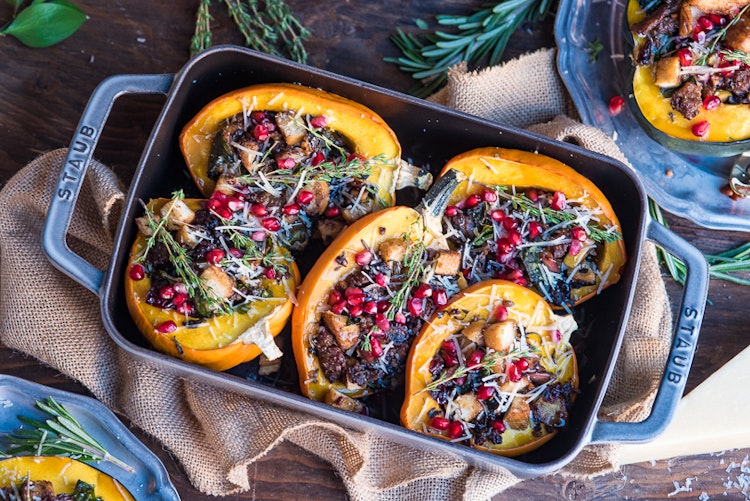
[430,135]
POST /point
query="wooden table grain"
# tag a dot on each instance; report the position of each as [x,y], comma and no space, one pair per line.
[44,91]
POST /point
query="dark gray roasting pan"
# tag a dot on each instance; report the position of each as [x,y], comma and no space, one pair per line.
[430,135]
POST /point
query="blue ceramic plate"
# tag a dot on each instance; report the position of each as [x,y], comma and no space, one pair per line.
[149,481]
[685,185]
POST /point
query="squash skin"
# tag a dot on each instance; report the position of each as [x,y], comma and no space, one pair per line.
[63,472]
[324,274]
[221,350]
[729,133]
[501,166]
[368,132]
[429,341]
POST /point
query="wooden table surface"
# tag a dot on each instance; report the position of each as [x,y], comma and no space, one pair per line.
[44,91]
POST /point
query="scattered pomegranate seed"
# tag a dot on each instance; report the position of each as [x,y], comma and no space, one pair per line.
[212,204]
[521,281]
[184,308]
[578,233]
[382,322]
[234,204]
[335,296]
[166,327]
[522,364]
[339,307]
[423,291]
[558,201]
[363,258]
[166,292]
[535,229]
[269,273]
[317,158]
[456,429]
[291,210]
[235,252]
[450,359]
[466,272]
[258,116]
[476,357]
[271,224]
[137,272]
[214,256]
[698,35]
[332,211]
[451,211]
[501,313]
[259,210]
[510,223]
[533,195]
[485,392]
[179,299]
[180,288]
[219,196]
[615,105]
[415,306]
[717,19]
[319,122]
[383,306]
[440,423]
[370,307]
[375,347]
[381,280]
[498,426]
[686,56]
[440,297]
[706,23]
[224,212]
[514,238]
[399,317]
[711,102]
[473,201]
[260,132]
[258,236]
[355,156]
[449,346]
[513,373]
[304,197]
[355,310]
[285,163]
[503,246]
[498,215]
[353,291]
[575,247]
[489,196]
[555,336]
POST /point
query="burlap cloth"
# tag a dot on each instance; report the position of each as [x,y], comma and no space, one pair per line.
[217,435]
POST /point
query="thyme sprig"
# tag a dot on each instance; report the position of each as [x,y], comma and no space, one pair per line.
[477,37]
[324,171]
[59,434]
[414,270]
[720,34]
[266,25]
[736,56]
[254,254]
[521,202]
[459,372]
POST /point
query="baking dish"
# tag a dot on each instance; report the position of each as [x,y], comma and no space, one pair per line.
[430,135]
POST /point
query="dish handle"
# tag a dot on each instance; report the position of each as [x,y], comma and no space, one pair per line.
[74,169]
[685,340]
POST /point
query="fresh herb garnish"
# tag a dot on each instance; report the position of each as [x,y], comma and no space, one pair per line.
[58,435]
[43,23]
[482,35]
[735,56]
[414,270]
[720,34]
[593,49]
[447,376]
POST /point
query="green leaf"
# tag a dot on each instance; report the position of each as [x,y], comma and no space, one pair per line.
[45,24]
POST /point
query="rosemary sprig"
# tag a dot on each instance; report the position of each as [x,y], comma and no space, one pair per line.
[482,35]
[59,435]
[723,266]
[736,56]
[720,34]
[266,25]
[521,202]
[414,271]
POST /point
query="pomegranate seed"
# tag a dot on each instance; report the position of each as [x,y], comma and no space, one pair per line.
[615,105]
[339,307]
[466,272]
[317,159]
[235,252]
[166,292]
[533,195]
[179,299]
[269,273]
[381,280]
[258,236]
[510,224]
[335,296]
[489,196]
[180,288]
[456,430]
[498,426]
[701,128]
[423,291]
[355,156]
[399,318]
[514,238]
[332,211]
[363,258]
[521,281]
[450,359]
[498,215]
[717,19]
[184,308]
[260,132]
[382,322]
[476,357]
[698,35]
[485,392]
[224,212]
[285,163]
[558,201]
[711,103]
[375,347]
[706,23]
[214,256]
[513,373]
[291,210]
[166,327]
[501,313]
[535,229]
[383,306]
[575,247]
[271,224]
[415,306]
[304,197]
[578,233]
[440,297]
[440,423]
[451,211]
[503,246]
[137,272]
[514,274]
[686,56]
[219,196]
[449,346]
[354,298]
[355,310]
[370,307]
[473,201]
[522,364]
[319,122]
[353,291]
[234,204]
[259,210]
[212,204]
